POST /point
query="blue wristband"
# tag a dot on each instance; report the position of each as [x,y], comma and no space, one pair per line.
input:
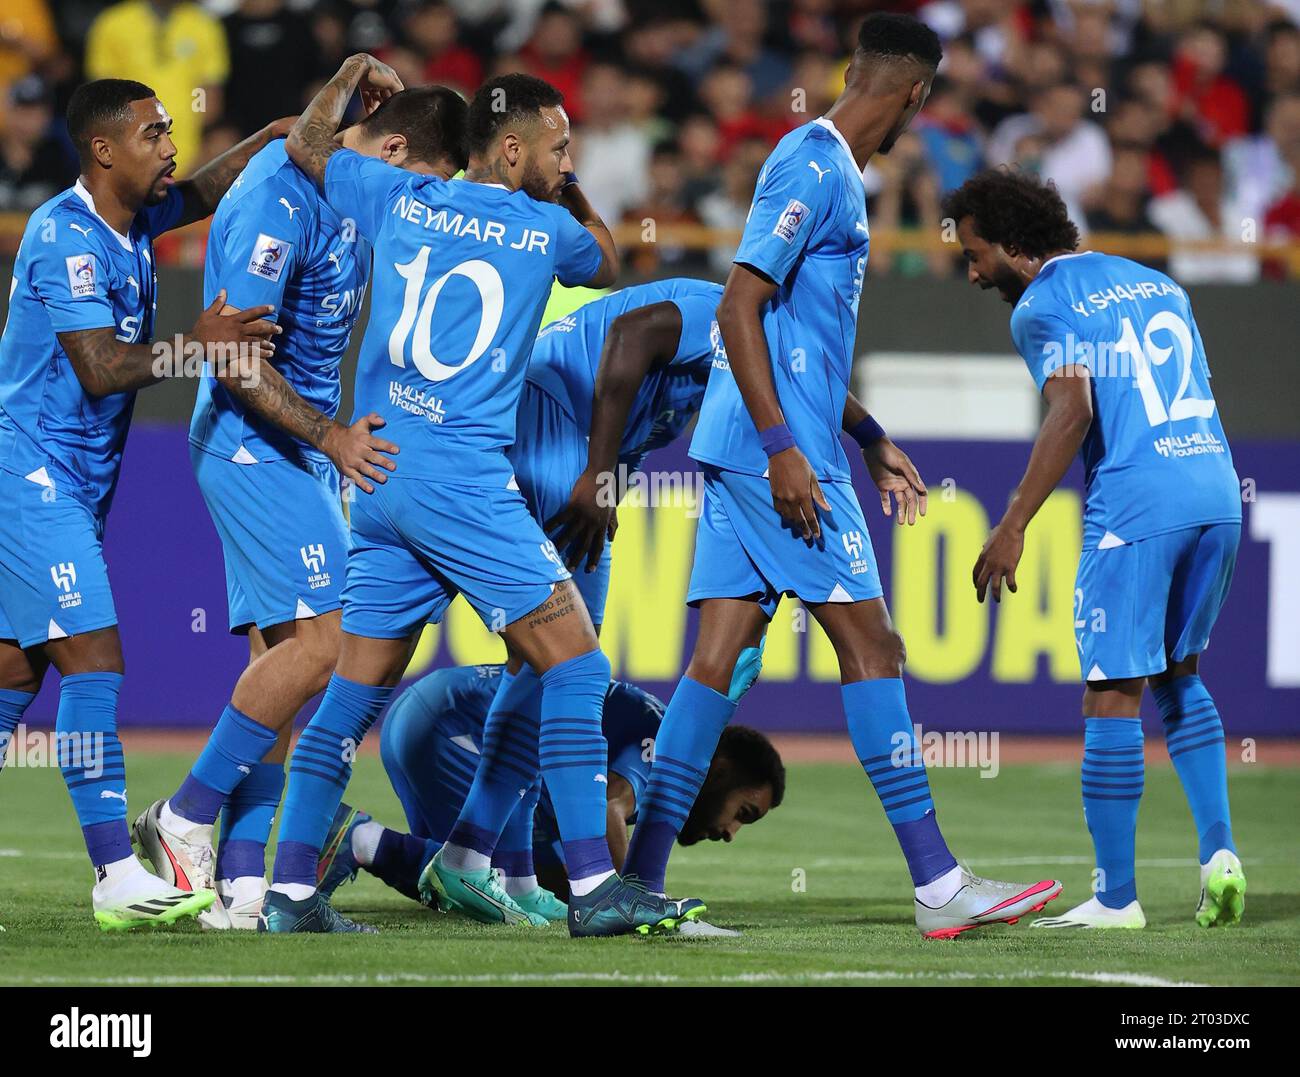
[570,178]
[867,432]
[776,439]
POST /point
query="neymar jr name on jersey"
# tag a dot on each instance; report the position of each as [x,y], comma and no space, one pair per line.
[458,224]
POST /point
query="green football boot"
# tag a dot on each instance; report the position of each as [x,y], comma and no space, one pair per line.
[1223,891]
[477,894]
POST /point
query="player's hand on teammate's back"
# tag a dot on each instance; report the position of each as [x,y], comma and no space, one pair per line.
[248,328]
[357,453]
[998,559]
[796,493]
[893,472]
[585,523]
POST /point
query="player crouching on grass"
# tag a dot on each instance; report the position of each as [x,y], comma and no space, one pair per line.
[1114,349]
[431,742]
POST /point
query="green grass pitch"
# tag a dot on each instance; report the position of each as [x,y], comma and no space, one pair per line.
[818,889]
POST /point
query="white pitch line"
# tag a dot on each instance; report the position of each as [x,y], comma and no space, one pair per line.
[43,855]
[1125,979]
[1006,861]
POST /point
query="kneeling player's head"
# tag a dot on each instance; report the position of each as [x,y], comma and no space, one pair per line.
[1008,223]
[893,68]
[122,132]
[421,129]
[746,780]
[519,135]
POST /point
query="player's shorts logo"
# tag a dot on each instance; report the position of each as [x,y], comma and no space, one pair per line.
[64,575]
[269,257]
[853,546]
[313,559]
[552,555]
[791,220]
[81,275]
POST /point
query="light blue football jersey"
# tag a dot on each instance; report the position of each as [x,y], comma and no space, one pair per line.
[567,355]
[807,232]
[74,272]
[1156,457]
[275,240]
[462,273]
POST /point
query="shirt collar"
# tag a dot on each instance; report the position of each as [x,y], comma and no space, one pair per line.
[85,196]
[1062,257]
[829,125]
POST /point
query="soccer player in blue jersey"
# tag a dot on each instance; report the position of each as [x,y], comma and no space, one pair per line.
[606,385]
[1114,349]
[620,377]
[432,740]
[268,453]
[482,252]
[76,348]
[780,516]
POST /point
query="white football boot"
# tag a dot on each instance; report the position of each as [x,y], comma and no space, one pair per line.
[1092,913]
[1223,891]
[243,900]
[136,898]
[182,858]
[980,902]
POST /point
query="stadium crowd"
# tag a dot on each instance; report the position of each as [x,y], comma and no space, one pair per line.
[1175,117]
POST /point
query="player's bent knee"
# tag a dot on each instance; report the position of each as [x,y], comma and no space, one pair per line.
[713,671]
[590,668]
[884,656]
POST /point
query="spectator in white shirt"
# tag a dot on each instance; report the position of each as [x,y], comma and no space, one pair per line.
[612,156]
[1201,210]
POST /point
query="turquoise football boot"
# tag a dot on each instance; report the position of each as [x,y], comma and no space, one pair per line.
[545,904]
[477,894]
[620,907]
[311,916]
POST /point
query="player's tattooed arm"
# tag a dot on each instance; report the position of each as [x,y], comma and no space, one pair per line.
[890,468]
[1068,393]
[354,450]
[203,190]
[796,494]
[105,365]
[638,342]
[311,142]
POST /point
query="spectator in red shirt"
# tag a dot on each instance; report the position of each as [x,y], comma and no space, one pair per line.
[728,93]
[1203,95]
[555,53]
[432,31]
